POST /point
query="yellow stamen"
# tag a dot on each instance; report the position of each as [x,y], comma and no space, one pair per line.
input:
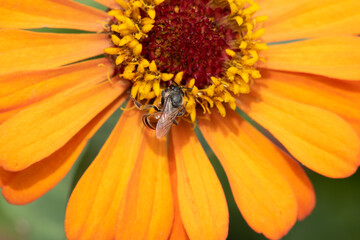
[178,77]
[136,19]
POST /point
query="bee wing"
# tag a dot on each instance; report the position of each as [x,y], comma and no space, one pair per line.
[166,119]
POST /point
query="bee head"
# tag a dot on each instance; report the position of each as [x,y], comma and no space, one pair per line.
[176,88]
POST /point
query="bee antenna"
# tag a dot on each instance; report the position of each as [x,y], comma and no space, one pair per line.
[187,88]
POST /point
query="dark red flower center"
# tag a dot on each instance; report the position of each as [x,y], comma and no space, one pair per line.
[187,37]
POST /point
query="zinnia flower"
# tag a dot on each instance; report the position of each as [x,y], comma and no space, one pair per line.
[305,93]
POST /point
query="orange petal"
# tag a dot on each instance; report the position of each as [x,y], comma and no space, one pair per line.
[146,212]
[52,14]
[335,57]
[203,206]
[178,231]
[4,177]
[319,139]
[307,18]
[34,86]
[264,183]
[39,130]
[28,185]
[355,124]
[340,97]
[108,3]
[6,115]
[288,167]
[25,50]
[93,206]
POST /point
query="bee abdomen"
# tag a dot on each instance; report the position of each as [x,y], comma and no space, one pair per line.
[150,121]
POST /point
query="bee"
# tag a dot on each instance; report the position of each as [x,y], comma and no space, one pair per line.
[172,106]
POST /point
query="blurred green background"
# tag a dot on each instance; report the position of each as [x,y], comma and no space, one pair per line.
[336,215]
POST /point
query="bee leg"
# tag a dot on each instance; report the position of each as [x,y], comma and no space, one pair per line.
[144,107]
[175,122]
[137,104]
[182,112]
[162,98]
